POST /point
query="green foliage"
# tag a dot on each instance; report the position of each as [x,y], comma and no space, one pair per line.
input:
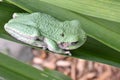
[100,20]
[106,9]
[11,69]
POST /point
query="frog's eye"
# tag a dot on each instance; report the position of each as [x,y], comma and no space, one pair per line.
[74,43]
[62,34]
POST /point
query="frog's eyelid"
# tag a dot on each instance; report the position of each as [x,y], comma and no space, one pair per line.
[74,43]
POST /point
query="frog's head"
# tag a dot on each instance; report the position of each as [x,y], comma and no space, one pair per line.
[72,36]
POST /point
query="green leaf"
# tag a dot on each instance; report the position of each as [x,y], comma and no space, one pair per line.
[92,28]
[11,69]
[106,9]
[92,49]
[6,13]
[57,74]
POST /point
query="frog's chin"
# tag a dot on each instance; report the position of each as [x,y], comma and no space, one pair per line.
[72,47]
[68,46]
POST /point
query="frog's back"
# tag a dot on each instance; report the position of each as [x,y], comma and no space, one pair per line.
[41,17]
[47,24]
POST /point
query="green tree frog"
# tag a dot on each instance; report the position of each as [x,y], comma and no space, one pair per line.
[42,30]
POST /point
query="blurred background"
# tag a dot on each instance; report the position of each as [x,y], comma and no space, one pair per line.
[77,69]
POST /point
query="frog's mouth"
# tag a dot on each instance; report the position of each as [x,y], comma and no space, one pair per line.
[67,45]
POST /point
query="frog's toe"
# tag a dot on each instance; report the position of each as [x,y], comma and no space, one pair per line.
[68,53]
[14,15]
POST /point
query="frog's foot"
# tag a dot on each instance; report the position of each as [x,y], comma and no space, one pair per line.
[44,48]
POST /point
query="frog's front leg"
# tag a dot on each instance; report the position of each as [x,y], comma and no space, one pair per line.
[52,46]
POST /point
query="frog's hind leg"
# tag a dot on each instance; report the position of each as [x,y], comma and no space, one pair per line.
[22,32]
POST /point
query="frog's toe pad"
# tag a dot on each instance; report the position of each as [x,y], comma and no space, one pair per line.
[14,15]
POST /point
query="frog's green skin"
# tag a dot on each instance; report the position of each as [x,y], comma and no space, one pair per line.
[42,30]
